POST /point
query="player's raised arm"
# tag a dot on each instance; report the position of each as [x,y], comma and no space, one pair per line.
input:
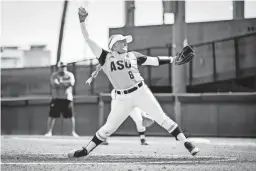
[99,52]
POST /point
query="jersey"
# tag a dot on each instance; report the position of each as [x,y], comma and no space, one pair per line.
[122,69]
[63,92]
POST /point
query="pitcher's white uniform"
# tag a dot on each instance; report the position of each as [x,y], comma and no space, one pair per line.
[136,114]
[122,71]
[121,68]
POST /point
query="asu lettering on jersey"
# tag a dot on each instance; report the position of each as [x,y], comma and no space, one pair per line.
[122,69]
[119,65]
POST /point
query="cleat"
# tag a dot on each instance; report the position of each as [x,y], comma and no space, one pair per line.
[143,142]
[191,148]
[104,143]
[48,134]
[77,153]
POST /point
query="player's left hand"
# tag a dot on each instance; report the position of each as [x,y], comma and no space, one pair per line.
[185,56]
[147,122]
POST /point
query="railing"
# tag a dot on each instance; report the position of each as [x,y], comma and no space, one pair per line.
[190,66]
[213,44]
[82,72]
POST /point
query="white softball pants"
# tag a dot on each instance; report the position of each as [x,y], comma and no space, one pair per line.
[125,104]
[136,115]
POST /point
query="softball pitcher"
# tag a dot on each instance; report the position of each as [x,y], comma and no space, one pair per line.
[121,68]
[140,118]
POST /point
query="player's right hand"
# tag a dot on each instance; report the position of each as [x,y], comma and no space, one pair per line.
[82,13]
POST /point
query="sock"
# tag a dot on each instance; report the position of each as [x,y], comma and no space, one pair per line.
[142,135]
[182,138]
[93,144]
[178,134]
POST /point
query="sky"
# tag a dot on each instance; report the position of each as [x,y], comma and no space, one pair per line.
[38,22]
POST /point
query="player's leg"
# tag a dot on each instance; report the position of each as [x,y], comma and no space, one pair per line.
[150,105]
[113,102]
[53,114]
[119,112]
[68,113]
[137,118]
[50,125]
[74,134]
[116,117]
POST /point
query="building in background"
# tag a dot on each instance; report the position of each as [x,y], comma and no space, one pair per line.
[11,57]
[17,57]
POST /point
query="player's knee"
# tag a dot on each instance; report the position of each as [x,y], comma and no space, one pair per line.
[101,134]
[169,124]
[138,121]
[105,131]
[141,129]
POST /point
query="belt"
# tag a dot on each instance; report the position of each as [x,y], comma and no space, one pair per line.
[130,90]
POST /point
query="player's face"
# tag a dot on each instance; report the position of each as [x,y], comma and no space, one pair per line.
[63,69]
[121,46]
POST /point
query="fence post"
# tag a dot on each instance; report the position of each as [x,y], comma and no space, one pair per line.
[92,83]
[149,69]
[236,57]
[101,110]
[214,62]
[191,71]
[51,70]
[170,65]
[179,75]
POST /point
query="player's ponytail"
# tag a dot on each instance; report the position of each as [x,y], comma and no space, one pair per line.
[94,74]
